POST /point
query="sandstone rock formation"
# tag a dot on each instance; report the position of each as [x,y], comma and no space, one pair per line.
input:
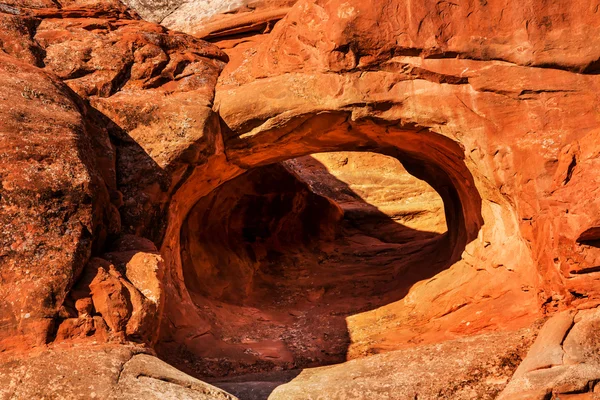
[99,372]
[213,19]
[280,256]
[163,196]
[64,200]
[463,369]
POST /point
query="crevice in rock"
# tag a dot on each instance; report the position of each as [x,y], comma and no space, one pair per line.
[590,237]
[122,368]
[588,270]
[570,169]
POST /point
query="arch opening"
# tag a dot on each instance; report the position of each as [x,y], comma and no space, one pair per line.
[279,257]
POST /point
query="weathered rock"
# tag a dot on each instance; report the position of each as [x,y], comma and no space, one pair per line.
[154,89]
[62,180]
[290,250]
[83,328]
[53,202]
[142,265]
[99,372]
[564,359]
[126,295]
[110,296]
[469,368]
[84,306]
[493,104]
[146,377]
[368,186]
[214,19]
[330,35]
[101,50]
[330,75]
[582,343]
[547,350]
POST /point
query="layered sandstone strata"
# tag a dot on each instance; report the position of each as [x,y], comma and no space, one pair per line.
[116,131]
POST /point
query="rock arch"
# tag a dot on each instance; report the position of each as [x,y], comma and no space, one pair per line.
[435,158]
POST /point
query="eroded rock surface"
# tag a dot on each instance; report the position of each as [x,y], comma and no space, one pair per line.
[73,270]
[369,187]
[215,19]
[563,362]
[95,372]
[116,132]
[470,368]
[122,74]
[324,73]
[54,204]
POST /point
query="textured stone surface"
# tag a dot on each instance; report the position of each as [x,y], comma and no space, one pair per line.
[278,258]
[325,77]
[582,340]
[150,91]
[575,371]
[215,19]
[547,350]
[94,372]
[370,184]
[52,200]
[70,187]
[74,176]
[493,104]
[472,368]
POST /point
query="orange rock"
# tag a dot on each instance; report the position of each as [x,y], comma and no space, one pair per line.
[109,295]
[493,104]
[84,306]
[83,328]
[53,201]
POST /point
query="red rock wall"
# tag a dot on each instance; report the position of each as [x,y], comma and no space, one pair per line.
[491,78]
[54,205]
[494,104]
[79,179]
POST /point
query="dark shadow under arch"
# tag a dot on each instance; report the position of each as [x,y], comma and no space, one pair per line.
[438,160]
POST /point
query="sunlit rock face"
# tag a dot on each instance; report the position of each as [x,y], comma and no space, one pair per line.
[182,13]
[366,185]
[215,19]
[232,207]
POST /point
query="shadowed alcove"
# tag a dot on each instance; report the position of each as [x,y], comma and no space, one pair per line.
[296,250]
[278,257]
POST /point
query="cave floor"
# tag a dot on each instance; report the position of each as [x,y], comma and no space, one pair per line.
[477,367]
[295,316]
